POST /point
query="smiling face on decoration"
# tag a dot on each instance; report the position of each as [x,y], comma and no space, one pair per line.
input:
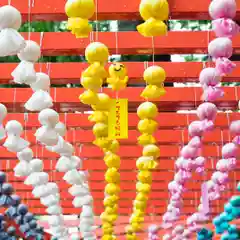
[117,70]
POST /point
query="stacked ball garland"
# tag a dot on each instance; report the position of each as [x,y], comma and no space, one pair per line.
[147,112]
[92,80]
[78,12]
[154,14]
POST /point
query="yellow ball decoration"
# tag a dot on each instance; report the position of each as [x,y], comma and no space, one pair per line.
[151,150]
[110,200]
[112,175]
[79,11]
[147,126]
[112,160]
[154,75]
[145,177]
[154,13]
[112,189]
[100,130]
[103,104]
[97,52]
[147,110]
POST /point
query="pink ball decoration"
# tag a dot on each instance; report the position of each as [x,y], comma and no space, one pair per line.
[220,178]
[174,187]
[195,142]
[209,77]
[220,47]
[184,164]
[225,27]
[229,150]
[222,9]
[207,111]
[189,152]
[195,128]
[223,165]
[235,127]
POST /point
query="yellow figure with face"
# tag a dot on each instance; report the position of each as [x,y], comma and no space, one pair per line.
[118,78]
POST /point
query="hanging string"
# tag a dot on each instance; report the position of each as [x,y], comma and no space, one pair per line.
[9,2]
[208,41]
[228,124]
[116,41]
[40,45]
[153,51]
[25,125]
[96,2]
[91,37]
[48,68]
[14,99]
[65,122]
[29,18]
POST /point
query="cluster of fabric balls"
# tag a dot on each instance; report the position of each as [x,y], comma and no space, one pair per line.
[205,234]
[17,212]
[222,222]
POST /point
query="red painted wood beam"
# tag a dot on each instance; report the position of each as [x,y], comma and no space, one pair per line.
[176,72]
[165,120]
[175,98]
[50,10]
[129,185]
[165,136]
[92,164]
[89,151]
[174,43]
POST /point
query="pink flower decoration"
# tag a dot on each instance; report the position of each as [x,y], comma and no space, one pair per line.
[212,93]
[225,27]
[224,66]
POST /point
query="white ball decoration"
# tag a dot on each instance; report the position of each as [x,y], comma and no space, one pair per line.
[31,52]
[48,117]
[14,127]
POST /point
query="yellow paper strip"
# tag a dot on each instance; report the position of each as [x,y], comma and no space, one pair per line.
[118,119]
